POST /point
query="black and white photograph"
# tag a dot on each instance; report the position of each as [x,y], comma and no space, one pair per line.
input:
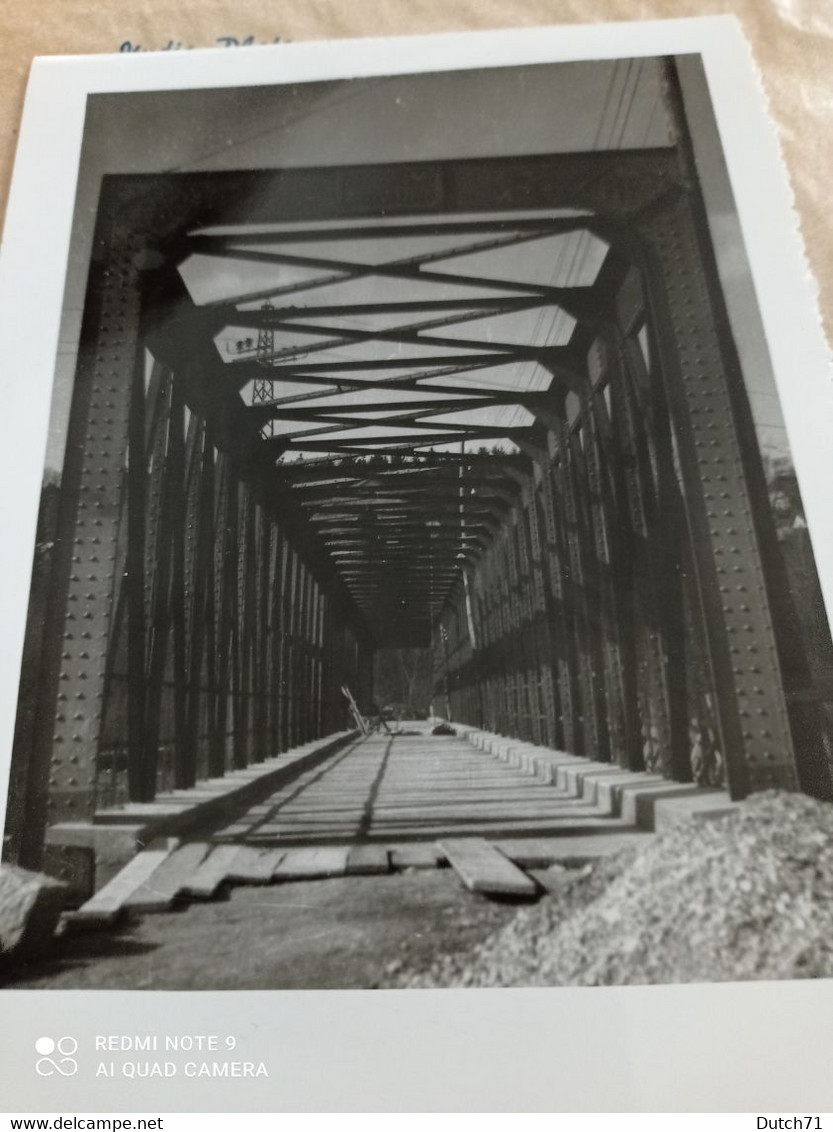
[423,593]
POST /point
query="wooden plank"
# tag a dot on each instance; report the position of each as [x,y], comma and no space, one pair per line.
[483,868]
[365,859]
[107,905]
[159,891]
[310,864]
[536,853]
[208,877]
[254,866]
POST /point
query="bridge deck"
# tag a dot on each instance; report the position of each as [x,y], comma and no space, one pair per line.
[385,801]
[412,787]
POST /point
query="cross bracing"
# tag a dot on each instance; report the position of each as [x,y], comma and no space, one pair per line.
[426,355]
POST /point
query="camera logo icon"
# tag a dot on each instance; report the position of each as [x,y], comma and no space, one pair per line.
[56,1057]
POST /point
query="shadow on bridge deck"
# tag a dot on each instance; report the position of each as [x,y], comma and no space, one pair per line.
[414,786]
[406,797]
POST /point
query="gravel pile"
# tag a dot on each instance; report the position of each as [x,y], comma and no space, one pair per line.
[745,897]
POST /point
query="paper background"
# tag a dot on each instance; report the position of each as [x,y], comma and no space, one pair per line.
[791,40]
[663,1048]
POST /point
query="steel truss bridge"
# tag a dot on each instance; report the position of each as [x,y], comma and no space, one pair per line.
[551,478]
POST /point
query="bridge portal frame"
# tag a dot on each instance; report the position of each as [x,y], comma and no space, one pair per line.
[647,206]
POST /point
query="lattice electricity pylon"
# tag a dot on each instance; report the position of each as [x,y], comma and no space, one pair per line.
[263,391]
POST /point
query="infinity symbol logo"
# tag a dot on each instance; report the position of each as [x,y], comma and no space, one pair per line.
[66,1065]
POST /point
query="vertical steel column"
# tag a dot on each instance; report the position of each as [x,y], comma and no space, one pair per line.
[237,565]
[222,634]
[751,704]
[532,677]
[79,612]
[598,539]
[508,721]
[201,661]
[540,628]
[487,661]
[135,580]
[711,418]
[158,543]
[584,733]
[288,568]
[595,723]
[516,721]
[303,663]
[228,667]
[273,639]
[264,593]
[303,655]
[310,665]
[329,718]
[557,623]
[320,726]
[293,655]
[620,664]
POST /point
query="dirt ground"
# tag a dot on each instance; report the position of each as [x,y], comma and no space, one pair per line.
[349,932]
[746,896]
[749,896]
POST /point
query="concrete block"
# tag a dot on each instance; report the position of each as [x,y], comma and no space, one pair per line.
[606,789]
[146,812]
[30,904]
[542,768]
[119,833]
[112,846]
[545,771]
[570,775]
[562,781]
[74,866]
[527,760]
[365,860]
[586,780]
[514,756]
[704,805]
[547,763]
[636,800]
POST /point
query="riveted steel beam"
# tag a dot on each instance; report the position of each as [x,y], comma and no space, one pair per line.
[82,602]
[713,427]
